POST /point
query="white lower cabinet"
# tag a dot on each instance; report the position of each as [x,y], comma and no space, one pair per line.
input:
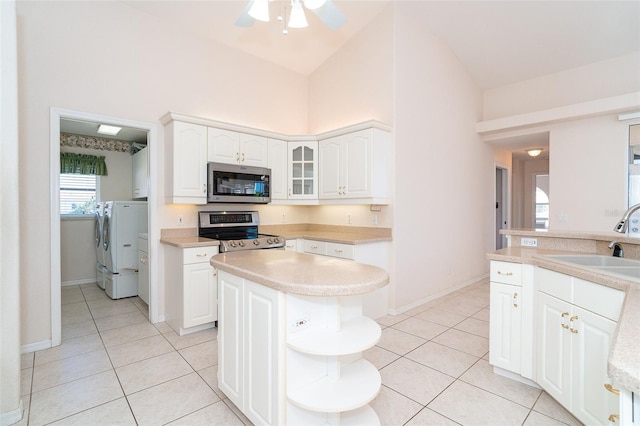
[576,324]
[191,289]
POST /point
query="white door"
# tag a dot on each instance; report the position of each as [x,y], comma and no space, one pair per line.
[505,311]
[190,168]
[253,150]
[230,348]
[277,156]
[356,155]
[330,177]
[222,146]
[200,294]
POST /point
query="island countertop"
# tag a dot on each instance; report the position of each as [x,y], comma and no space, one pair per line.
[303,274]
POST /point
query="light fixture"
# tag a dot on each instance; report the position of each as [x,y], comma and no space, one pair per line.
[260,10]
[108,130]
[297,18]
[534,152]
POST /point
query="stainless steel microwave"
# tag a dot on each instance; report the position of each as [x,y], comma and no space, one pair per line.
[234,183]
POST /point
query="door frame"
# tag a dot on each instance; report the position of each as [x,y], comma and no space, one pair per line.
[56,114]
[505,209]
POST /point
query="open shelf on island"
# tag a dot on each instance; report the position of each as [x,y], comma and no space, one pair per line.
[359,383]
[355,335]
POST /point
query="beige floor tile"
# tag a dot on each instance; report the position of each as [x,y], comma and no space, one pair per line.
[473,299]
[442,358]
[112,413]
[74,308]
[94,293]
[171,400]
[69,347]
[71,295]
[483,315]
[26,378]
[379,357]
[128,334]
[138,350]
[393,408]
[26,360]
[448,319]
[118,321]
[73,397]
[26,401]
[474,326]
[414,380]
[470,406]
[421,328]
[153,371]
[467,309]
[389,320]
[551,408]
[181,342]
[202,355]
[217,414]
[163,327]
[79,329]
[74,313]
[105,302]
[111,310]
[398,341]
[210,376]
[431,418]
[419,309]
[68,369]
[463,341]
[481,375]
[537,419]
[237,412]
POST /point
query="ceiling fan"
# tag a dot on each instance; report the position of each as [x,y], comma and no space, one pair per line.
[325,10]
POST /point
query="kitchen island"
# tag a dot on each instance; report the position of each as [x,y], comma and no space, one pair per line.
[291,335]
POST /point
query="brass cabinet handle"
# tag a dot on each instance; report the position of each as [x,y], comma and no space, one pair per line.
[515,300]
[564,314]
[201,255]
[571,320]
[508,274]
[612,389]
[613,418]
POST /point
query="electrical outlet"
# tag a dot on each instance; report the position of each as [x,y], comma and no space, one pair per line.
[180,220]
[563,217]
[529,242]
[284,218]
[349,218]
[374,219]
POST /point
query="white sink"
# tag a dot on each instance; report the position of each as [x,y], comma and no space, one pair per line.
[627,271]
[594,260]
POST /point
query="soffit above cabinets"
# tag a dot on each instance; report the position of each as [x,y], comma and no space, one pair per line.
[86,128]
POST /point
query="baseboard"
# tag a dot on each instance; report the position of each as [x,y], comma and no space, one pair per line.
[13,416]
[78,282]
[32,347]
[438,295]
[513,376]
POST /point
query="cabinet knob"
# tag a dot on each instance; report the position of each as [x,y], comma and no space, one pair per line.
[611,389]
[564,314]
[613,418]
[515,300]
[204,188]
[507,274]
[571,320]
[201,255]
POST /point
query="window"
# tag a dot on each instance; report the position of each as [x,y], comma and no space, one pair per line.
[78,194]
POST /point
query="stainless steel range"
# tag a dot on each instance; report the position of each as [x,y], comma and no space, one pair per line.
[236,231]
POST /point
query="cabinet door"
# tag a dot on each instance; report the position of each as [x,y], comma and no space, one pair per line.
[200,294]
[303,170]
[554,348]
[277,157]
[223,146]
[262,367]
[143,276]
[291,245]
[330,177]
[230,337]
[591,336]
[189,163]
[253,150]
[356,163]
[505,310]
[140,173]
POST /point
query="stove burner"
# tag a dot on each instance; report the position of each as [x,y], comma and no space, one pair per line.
[236,231]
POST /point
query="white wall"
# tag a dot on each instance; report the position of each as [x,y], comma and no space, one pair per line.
[444,192]
[617,76]
[157,69]
[77,250]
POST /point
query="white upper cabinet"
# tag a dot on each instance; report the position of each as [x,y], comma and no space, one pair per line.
[355,166]
[229,147]
[277,156]
[140,162]
[303,171]
[186,154]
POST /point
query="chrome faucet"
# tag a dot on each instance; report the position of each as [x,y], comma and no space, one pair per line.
[617,249]
[621,227]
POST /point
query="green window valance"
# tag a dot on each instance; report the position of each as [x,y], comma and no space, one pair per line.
[82,164]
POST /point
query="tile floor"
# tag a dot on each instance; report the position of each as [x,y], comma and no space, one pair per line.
[114,367]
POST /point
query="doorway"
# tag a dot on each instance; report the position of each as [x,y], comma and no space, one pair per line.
[502,205]
[56,116]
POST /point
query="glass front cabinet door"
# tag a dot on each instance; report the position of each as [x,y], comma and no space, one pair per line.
[303,170]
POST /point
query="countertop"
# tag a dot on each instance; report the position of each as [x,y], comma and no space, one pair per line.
[303,274]
[188,242]
[335,237]
[624,357]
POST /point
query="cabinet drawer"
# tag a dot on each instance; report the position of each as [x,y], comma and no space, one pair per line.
[599,299]
[554,283]
[315,247]
[506,272]
[291,245]
[198,254]
[344,251]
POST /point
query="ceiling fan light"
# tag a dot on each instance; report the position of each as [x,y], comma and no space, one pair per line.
[314,4]
[297,19]
[260,10]
[534,152]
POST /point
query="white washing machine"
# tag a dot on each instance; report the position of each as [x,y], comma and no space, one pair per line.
[100,268]
[123,221]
